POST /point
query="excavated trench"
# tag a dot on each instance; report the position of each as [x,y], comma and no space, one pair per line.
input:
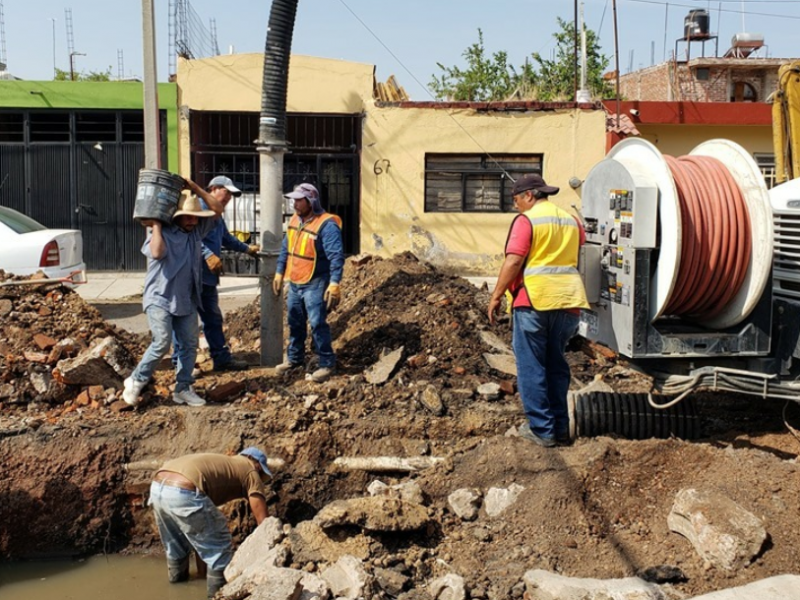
[595,509]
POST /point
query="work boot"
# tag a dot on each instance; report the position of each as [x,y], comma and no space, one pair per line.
[214,582]
[526,434]
[188,397]
[131,390]
[178,570]
[232,365]
[285,367]
[321,375]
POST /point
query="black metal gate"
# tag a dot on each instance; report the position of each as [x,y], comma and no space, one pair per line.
[78,170]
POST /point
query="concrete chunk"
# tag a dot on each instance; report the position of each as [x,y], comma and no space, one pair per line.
[780,587]
[721,531]
[465,503]
[499,499]
[347,578]
[254,548]
[505,363]
[376,513]
[449,587]
[543,585]
[380,372]
[105,363]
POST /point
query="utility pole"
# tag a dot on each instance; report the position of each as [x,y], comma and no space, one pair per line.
[3,57]
[152,138]
[55,69]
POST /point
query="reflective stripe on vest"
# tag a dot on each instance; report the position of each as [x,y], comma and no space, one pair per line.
[302,248]
[551,276]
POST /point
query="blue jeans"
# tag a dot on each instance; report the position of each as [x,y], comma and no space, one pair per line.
[305,306]
[162,326]
[211,316]
[540,339]
[189,520]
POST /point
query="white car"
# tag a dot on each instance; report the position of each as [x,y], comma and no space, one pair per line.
[27,246]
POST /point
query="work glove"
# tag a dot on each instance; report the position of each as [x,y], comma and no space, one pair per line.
[253,249]
[214,264]
[333,296]
[277,284]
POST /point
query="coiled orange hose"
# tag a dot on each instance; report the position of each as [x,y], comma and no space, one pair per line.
[716,243]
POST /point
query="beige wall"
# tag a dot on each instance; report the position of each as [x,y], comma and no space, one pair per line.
[393,217]
[678,140]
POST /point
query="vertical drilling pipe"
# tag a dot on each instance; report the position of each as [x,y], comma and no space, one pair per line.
[271,146]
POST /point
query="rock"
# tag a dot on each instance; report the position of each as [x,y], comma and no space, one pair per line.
[449,587]
[489,391]
[45,342]
[347,578]
[721,531]
[505,363]
[494,342]
[465,503]
[277,584]
[378,513]
[314,587]
[225,391]
[431,400]
[5,307]
[663,574]
[41,382]
[780,587]
[102,364]
[7,390]
[596,385]
[390,581]
[499,499]
[408,491]
[253,549]
[507,387]
[380,372]
[543,585]
[310,543]
[121,406]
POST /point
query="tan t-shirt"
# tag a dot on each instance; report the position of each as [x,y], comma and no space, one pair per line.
[221,478]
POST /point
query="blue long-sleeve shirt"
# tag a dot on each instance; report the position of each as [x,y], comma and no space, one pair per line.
[213,243]
[330,253]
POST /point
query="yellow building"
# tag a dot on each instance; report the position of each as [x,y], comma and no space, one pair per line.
[427,177]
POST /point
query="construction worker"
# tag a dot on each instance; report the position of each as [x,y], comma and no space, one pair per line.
[185,493]
[540,273]
[312,260]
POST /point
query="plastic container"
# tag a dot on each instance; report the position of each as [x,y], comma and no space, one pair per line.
[157,195]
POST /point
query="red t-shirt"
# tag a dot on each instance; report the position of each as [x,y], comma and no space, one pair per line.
[519,243]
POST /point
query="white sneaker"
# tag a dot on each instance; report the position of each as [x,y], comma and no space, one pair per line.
[188,397]
[131,389]
[285,367]
[321,375]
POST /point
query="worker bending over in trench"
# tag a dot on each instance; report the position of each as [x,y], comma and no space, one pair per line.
[540,273]
[185,493]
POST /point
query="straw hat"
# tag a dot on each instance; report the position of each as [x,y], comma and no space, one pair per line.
[189,204]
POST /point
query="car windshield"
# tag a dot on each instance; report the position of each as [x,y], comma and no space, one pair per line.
[18,222]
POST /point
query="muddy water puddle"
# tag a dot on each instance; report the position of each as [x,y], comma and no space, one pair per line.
[96,578]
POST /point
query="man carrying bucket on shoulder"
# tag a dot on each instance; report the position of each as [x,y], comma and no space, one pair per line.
[172,292]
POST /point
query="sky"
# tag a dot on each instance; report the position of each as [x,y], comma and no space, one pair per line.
[404,38]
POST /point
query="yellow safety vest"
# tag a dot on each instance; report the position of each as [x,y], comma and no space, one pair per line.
[300,242]
[551,272]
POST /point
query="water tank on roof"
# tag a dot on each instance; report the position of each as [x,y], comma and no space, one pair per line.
[696,25]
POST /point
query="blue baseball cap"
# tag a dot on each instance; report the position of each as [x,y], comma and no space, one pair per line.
[259,456]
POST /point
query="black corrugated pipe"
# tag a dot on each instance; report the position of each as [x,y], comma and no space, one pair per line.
[272,125]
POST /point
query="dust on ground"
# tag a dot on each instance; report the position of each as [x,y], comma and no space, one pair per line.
[595,509]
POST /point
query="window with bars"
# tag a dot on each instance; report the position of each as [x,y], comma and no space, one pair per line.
[474,182]
[766,162]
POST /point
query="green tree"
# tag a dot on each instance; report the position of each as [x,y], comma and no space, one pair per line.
[90,76]
[492,78]
[556,77]
[484,78]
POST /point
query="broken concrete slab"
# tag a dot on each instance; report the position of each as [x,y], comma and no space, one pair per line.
[780,587]
[252,550]
[314,587]
[499,499]
[310,543]
[347,578]
[543,585]
[376,513]
[408,491]
[280,584]
[449,587]
[505,363]
[105,363]
[390,581]
[721,531]
[382,370]
[495,342]
[465,503]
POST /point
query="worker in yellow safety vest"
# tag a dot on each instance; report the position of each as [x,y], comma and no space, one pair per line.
[312,262]
[546,292]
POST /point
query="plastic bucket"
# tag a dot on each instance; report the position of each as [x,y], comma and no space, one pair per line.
[157,195]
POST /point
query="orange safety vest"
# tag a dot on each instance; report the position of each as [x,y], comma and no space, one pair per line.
[551,275]
[301,240]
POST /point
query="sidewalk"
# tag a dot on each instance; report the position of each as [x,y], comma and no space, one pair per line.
[119,286]
[128,286]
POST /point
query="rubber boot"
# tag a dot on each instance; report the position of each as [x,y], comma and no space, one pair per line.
[214,582]
[178,570]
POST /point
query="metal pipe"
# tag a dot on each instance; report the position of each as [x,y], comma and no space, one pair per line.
[271,146]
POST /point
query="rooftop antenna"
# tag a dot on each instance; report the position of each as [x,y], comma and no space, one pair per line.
[3,57]
[214,45]
[120,64]
[71,44]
